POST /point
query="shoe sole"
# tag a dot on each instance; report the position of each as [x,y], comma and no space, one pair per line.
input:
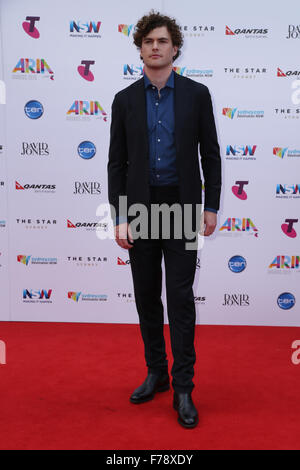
[163,388]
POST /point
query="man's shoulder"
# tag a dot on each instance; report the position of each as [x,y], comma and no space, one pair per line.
[127,90]
[192,84]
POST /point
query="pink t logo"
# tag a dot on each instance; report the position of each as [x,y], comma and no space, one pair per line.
[29,27]
[238,191]
[85,72]
[288,228]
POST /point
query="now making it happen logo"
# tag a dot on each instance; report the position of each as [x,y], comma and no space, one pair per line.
[288,228]
[239,191]
[84,29]
[30,28]
[240,152]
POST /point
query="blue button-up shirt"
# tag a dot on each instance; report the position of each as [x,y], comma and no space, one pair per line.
[161,133]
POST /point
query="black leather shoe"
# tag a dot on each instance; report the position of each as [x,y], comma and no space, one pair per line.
[147,390]
[187,413]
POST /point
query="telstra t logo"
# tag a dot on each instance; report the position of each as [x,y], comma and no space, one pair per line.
[288,228]
[29,27]
[84,70]
[239,191]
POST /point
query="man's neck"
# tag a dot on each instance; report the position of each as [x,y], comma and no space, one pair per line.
[158,77]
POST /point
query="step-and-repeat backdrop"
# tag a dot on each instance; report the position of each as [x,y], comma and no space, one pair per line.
[62,63]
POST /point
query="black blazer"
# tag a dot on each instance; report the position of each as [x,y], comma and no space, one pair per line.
[128,164]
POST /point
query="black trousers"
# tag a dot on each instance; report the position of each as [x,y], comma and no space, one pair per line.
[180,266]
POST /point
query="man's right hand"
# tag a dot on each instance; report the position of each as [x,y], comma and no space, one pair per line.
[121,233]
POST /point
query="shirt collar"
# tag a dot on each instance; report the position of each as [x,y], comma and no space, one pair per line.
[170,82]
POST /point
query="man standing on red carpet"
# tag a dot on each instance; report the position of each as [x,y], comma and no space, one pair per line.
[157,125]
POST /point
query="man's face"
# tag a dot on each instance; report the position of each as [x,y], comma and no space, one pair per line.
[157,48]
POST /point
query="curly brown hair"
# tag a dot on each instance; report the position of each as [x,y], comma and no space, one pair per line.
[155,20]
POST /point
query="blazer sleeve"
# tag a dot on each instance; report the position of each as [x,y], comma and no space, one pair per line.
[117,160]
[210,152]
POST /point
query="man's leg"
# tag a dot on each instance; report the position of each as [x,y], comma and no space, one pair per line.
[180,267]
[145,261]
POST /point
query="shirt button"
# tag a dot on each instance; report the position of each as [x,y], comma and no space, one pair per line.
[159,122]
[158,159]
[157,176]
[156,104]
[153,88]
[158,140]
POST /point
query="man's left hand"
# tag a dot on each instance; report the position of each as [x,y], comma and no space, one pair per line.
[210,222]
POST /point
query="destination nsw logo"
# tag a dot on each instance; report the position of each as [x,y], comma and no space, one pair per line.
[126,29]
[240,152]
[30,28]
[283,152]
[243,113]
[34,260]
[37,296]
[236,227]
[288,191]
[90,226]
[284,264]
[84,110]
[36,188]
[32,69]
[79,296]
[85,29]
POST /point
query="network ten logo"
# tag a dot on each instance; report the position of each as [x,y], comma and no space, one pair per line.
[237,264]
[86,150]
[30,28]
[239,191]
[33,109]
[84,70]
[286,301]
[288,228]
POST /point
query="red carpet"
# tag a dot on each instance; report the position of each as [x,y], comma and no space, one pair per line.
[67,386]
